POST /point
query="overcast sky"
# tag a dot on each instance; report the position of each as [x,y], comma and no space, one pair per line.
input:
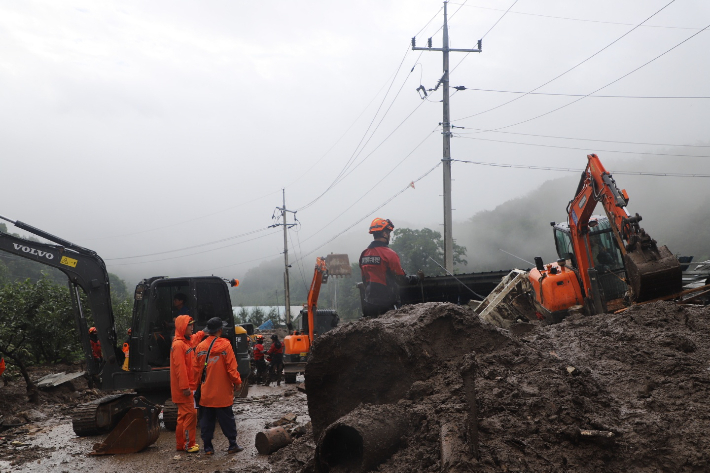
[138,128]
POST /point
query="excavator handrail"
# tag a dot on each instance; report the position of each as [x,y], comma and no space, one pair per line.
[85,269]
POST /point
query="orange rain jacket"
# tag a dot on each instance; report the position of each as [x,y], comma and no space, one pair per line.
[222,376]
[182,358]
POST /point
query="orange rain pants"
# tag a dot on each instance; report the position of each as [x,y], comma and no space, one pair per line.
[186,425]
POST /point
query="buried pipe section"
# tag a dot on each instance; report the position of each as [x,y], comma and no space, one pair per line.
[362,439]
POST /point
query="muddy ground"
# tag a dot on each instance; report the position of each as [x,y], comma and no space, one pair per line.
[609,393]
[47,443]
[627,392]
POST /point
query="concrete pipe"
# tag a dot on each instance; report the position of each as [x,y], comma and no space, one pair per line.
[268,441]
[362,439]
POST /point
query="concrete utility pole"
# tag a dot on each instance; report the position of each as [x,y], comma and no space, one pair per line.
[285,224]
[446,124]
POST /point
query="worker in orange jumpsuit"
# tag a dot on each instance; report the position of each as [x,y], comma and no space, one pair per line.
[259,360]
[183,383]
[215,357]
[95,345]
[382,272]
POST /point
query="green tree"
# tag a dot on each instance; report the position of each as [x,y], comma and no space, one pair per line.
[415,247]
[36,325]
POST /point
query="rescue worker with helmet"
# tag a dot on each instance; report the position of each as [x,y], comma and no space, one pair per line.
[95,345]
[382,272]
[276,358]
[215,357]
[183,382]
[259,362]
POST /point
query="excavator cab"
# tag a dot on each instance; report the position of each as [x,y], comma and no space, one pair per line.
[606,256]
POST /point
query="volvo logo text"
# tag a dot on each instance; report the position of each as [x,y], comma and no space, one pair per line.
[33,251]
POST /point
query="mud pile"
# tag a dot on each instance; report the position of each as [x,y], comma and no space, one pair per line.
[627,392]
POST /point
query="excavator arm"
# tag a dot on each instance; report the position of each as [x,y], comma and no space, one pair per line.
[85,269]
[652,271]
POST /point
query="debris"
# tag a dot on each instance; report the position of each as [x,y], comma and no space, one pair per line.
[269,441]
[52,380]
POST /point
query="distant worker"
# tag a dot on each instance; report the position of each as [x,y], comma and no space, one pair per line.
[95,345]
[183,384]
[276,358]
[259,360]
[382,272]
[179,301]
[2,366]
[126,350]
[215,357]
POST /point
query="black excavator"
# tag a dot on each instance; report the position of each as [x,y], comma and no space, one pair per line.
[131,416]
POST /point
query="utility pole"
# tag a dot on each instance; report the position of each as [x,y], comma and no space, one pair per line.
[446,124]
[285,224]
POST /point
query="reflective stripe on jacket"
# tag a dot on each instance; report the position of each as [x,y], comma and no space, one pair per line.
[222,376]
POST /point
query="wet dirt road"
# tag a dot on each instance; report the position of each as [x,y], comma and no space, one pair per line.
[52,446]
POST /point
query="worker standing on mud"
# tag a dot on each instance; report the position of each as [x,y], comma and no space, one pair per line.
[221,380]
[259,361]
[276,357]
[183,384]
[382,272]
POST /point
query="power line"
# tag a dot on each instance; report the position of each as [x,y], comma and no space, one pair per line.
[480,130]
[355,151]
[184,221]
[607,85]
[489,30]
[550,168]
[191,247]
[667,97]
[342,212]
[197,253]
[585,149]
[580,19]
[571,68]
[374,210]
[235,264]
[501,17]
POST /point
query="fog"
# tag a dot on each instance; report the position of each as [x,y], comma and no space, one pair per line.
[161,134]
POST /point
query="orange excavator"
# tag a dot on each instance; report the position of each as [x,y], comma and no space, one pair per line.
[297,345]
[605,262]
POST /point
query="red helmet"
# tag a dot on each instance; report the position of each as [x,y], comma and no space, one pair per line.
[93,330]
[259,338]
[380,225]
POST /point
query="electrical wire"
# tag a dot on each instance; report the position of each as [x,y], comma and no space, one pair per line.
[185,221]
[586,139]
[539,145]
[197,253]
[551,168]
[190,247]
[579,19]
[211,270]
[373,210]
[607,85]
[501,17]
[667,97]
[355,151]
[571,68]
[342,212]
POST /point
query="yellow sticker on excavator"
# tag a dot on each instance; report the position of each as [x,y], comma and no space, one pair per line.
[68,261]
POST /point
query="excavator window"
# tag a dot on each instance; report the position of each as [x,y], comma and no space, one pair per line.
[212,301]
[563,241]
[161,326]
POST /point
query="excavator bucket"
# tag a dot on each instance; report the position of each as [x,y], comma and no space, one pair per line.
[652,273]
[138,429]
[338,265]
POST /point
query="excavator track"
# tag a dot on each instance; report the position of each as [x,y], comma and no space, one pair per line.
[84,420]
[170,415]
[102,415]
